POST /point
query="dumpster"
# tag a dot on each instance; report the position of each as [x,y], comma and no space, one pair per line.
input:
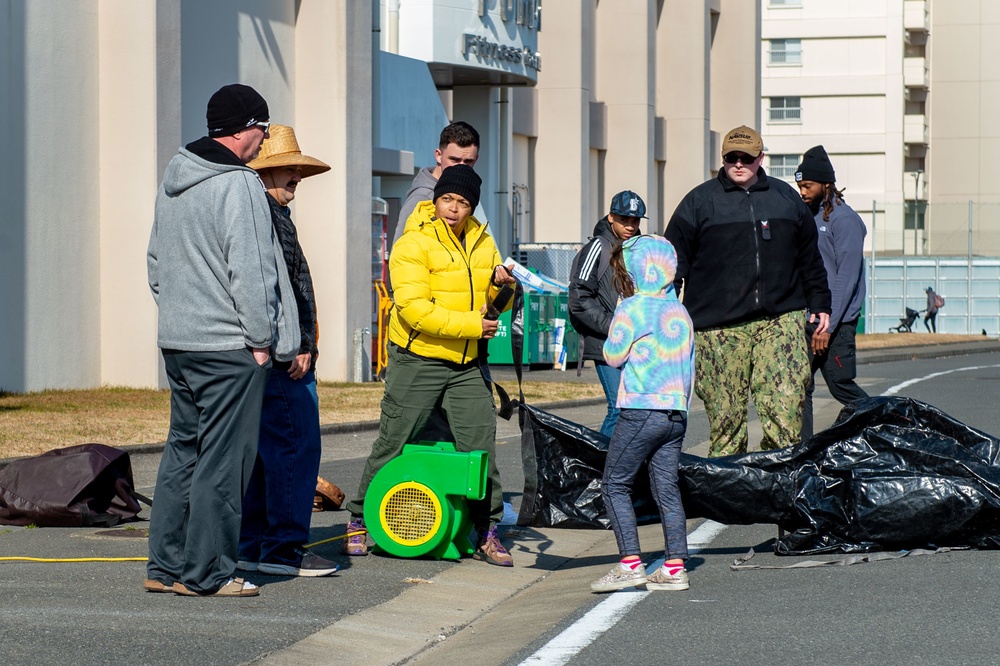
[542,310]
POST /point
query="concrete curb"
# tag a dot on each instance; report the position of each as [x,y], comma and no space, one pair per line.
[943,350]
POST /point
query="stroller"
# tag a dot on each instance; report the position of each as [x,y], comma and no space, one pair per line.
[906,322]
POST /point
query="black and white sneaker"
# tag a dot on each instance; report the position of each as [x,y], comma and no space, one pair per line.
[309,564]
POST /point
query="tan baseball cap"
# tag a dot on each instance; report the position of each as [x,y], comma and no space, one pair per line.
[743,139]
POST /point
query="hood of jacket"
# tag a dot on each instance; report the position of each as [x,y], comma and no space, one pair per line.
[651,262]
[423,182]
[206,158]
[603,229]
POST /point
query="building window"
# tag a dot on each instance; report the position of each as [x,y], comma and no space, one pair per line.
[785,52]
[783,166]
[785,110]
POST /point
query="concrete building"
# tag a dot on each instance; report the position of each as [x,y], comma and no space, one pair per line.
[573,104]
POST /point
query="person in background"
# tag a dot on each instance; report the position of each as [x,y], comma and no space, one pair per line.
[651,339]
[277,506]
[458,144]
[749,265]
[225,307]
[934,303]
[841,244]
[592,294]
[443,268]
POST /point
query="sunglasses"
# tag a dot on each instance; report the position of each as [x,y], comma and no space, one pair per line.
[743,158]
[263,124]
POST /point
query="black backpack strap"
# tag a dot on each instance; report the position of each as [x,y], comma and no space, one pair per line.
[506,408]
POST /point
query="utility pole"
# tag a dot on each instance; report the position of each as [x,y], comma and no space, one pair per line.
[916,207]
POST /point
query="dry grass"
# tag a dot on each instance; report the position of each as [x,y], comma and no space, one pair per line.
[33,423]
[889,340]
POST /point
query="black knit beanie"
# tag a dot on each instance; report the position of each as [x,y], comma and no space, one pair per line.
[233,108]
[462,180]
[816,167]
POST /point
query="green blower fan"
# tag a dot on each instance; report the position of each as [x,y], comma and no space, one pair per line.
[416,504]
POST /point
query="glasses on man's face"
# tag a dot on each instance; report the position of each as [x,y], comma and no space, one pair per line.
[263,124]
[742,158]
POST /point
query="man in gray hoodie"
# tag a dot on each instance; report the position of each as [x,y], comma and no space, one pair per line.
[458,144]
[225,308]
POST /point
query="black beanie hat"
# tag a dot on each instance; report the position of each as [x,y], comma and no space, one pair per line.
[816,167]
[233,108]
[462,180]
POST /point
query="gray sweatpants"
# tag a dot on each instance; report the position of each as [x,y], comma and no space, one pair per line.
[215,406]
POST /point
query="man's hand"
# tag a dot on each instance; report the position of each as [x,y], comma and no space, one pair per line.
[823,324]
[261,355]
[300,366]
[820,342]
[490,328]
[503,275]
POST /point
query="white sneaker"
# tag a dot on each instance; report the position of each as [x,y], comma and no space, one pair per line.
[661,581]
[620,578]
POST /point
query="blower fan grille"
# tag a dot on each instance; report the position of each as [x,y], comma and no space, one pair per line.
[410,513]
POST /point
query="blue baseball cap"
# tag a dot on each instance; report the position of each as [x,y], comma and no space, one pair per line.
[628,204]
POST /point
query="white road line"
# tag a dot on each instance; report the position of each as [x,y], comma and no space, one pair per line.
[893,390]
[606,614]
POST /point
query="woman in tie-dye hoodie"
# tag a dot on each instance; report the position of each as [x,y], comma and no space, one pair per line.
[651,339]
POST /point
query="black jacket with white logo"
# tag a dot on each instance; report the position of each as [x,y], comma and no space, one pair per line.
[746,254]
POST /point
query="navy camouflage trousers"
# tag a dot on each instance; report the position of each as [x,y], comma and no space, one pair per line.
[765,360]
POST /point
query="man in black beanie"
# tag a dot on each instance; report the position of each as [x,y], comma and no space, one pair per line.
[225,308]
[443,270]
[841,243]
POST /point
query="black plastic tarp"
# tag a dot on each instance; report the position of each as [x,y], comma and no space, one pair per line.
[563,463]
[891,473]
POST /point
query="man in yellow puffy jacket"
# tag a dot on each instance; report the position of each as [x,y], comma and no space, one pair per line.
[442,269]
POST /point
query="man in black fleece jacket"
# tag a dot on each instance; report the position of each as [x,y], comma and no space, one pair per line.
[749,265]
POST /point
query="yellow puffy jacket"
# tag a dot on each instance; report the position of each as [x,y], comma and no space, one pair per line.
[440,286]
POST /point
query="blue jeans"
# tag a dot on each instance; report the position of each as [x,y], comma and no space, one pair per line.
[277,507]
[610,378]
[654,437]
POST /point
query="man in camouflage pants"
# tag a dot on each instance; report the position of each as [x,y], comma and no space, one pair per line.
[749,264]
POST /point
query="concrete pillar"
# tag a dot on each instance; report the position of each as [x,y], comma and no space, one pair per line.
[333,210]
[50,236]
[683,38]
[562,151]
[128,61]
[627,93]
[736,62]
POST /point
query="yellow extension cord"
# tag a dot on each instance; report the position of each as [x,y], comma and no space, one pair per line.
[138,559]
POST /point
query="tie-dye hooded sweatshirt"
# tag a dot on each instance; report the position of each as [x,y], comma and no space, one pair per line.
[651,335]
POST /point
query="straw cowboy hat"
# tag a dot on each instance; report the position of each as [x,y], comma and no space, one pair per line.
[281,149]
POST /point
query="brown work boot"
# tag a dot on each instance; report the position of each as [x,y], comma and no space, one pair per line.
[490,550]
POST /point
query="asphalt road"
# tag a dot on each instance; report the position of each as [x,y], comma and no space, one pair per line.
[384,610]
[916,610]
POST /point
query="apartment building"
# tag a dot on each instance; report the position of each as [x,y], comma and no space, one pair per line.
[900,92]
